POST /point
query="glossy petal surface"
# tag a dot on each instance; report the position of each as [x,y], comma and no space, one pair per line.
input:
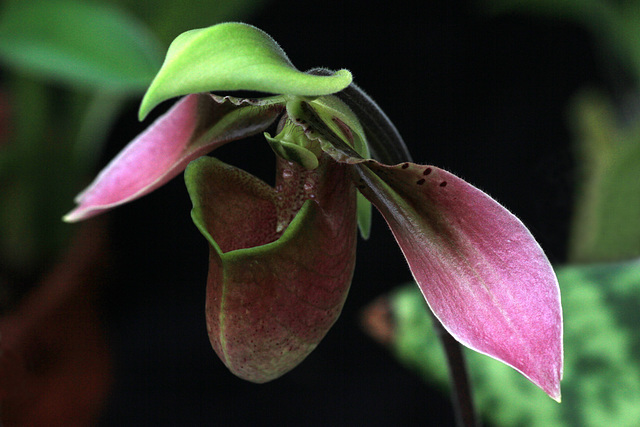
[276,282]
[194,126]
[480,270]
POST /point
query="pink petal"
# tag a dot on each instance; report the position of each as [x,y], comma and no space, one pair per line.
[481,271]
[191,128]
[272,296]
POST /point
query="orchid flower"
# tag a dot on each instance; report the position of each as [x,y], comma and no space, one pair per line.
[282,257]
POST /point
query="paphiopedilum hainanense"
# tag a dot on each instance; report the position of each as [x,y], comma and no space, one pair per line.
[282,257]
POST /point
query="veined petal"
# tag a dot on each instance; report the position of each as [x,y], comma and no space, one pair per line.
[281,260]
[482,273]
[194,126]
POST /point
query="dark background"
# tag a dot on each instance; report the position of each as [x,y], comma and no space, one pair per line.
[483,97]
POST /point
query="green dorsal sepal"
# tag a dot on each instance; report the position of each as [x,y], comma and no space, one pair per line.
[233,56]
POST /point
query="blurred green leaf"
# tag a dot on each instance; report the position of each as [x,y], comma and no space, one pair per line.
[606,223]
[601,384]
[82,43]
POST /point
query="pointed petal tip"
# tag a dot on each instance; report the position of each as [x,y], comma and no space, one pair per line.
[553,392]
[546,376]
[487,265]
[78,214]
[70,218]
[74,215]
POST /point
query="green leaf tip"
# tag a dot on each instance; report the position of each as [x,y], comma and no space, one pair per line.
[233,56]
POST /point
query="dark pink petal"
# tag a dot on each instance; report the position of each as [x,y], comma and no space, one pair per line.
[482,273]
[276,283]
[194,126]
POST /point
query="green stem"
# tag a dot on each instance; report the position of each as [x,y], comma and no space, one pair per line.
[461,393]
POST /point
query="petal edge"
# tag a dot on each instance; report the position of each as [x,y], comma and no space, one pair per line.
[195,125]
[482,273]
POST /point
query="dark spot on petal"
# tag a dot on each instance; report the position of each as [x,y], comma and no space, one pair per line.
[405,165]
[421,181]
[443,184]
[427,171]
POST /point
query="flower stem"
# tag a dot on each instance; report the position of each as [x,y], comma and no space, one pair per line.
[461,396]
